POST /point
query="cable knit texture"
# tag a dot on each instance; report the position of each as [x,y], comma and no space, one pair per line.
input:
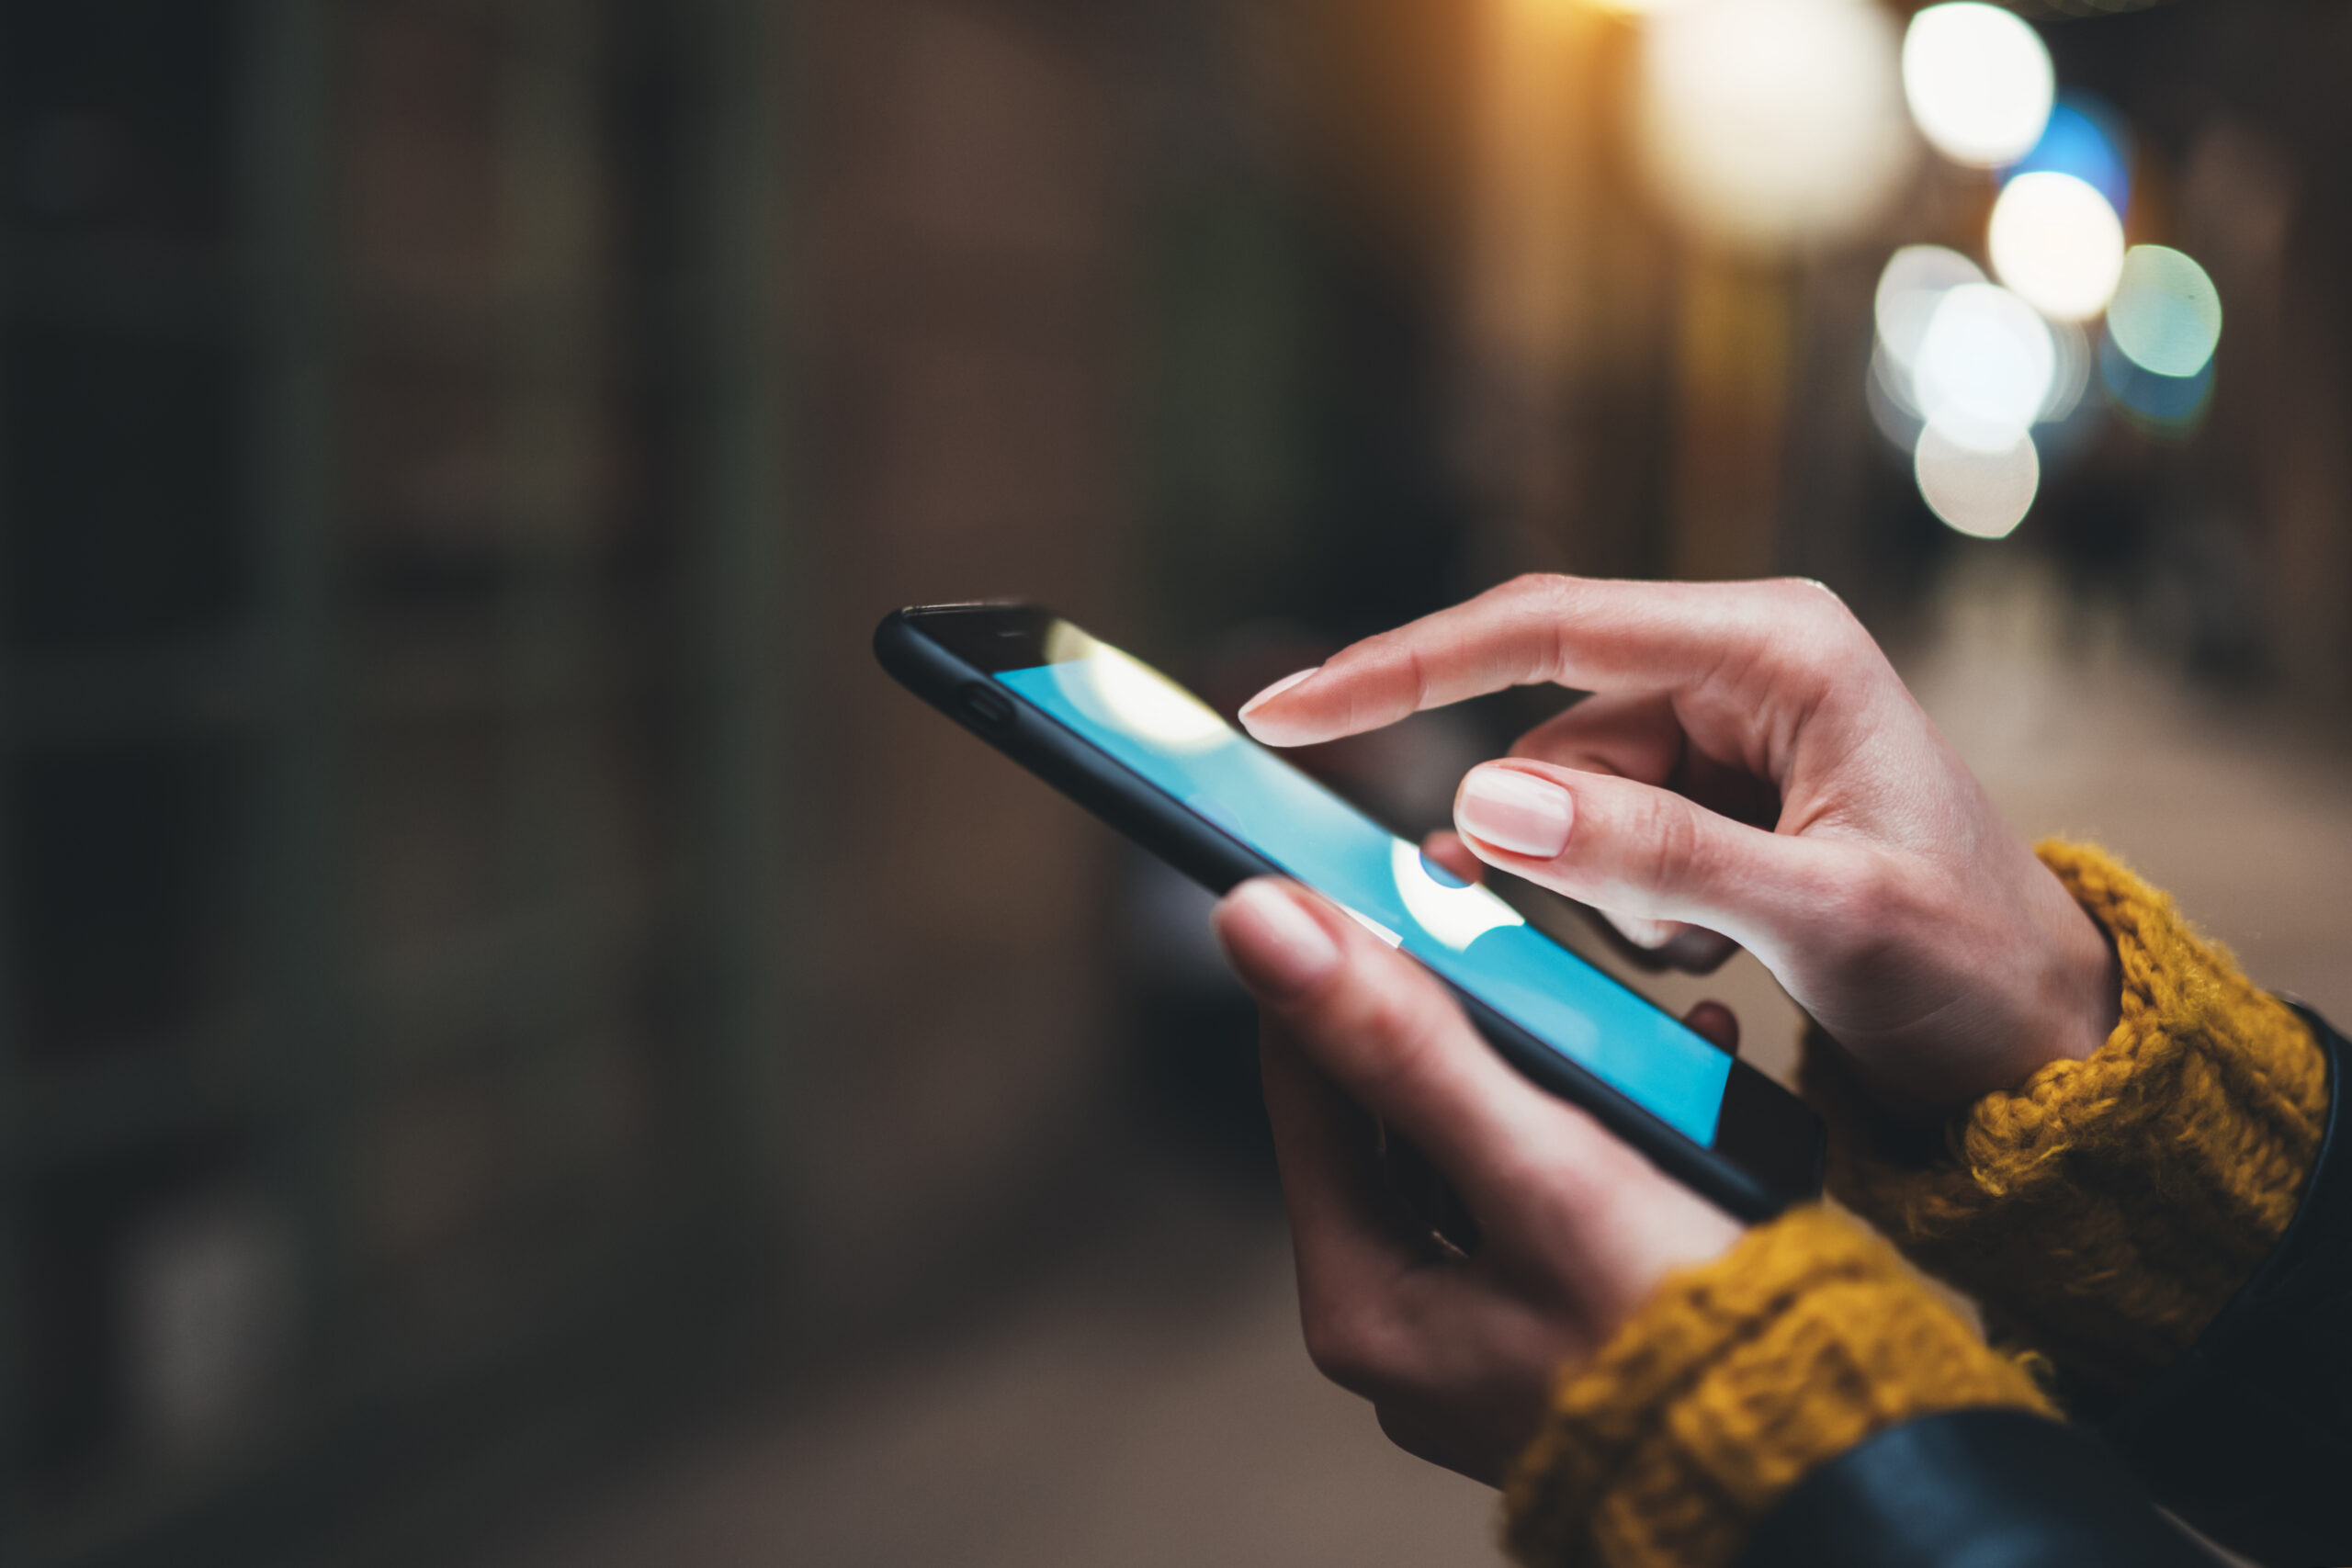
[1735,1378]
[2106,1210]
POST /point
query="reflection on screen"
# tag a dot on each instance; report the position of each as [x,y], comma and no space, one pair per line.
[1463,931]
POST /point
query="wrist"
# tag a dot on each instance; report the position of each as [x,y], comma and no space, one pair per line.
[2077,993]
[2084,983]
[2107,1207]
[1732,1382]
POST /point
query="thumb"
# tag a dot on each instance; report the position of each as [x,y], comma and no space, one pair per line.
[1382,1029]
[1634,849]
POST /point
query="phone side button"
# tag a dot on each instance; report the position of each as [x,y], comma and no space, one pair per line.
[984,707]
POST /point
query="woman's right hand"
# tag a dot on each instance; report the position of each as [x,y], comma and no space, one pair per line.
[1751,765]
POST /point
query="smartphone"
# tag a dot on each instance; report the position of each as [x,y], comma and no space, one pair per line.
[1159,764]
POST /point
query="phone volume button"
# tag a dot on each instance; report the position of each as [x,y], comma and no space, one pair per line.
[984,707]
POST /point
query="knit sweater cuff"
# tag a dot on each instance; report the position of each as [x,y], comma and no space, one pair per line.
[1732,1381]
[2106,1210]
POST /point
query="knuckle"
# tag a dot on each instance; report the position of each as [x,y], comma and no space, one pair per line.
[1394,663]
[1811,598]
[1826,629]
[1546,599]
[1810,588]
[1542,588]
[1670,846]
[1573,1178]
[1415,677]
[1350,1346]
[1869,903]
[1585,1178]
[1393,1036]
[1567,1173]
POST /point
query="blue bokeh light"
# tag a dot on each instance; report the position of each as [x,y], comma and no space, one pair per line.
[2088,138]
[2161,405]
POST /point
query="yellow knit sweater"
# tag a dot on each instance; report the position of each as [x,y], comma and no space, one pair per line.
[2102,1211]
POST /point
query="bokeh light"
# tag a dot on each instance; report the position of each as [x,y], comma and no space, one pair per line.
[1961,372]
[2161,405]
[2072,377]
[1980,491]
[2058,242]
[1979,82]
[1985,368]
[2087,139]
[1912,285]
[2167,314]
[1117,689]
[1770,123]
[1886,395]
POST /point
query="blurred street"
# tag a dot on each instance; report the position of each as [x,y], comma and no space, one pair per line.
[1147,1403]
[521,1047]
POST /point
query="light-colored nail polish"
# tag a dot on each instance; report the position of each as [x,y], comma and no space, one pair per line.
[1278,947]
[1276,690]
[1515,811]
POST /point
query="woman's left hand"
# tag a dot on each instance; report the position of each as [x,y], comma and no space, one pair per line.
[1457,1356]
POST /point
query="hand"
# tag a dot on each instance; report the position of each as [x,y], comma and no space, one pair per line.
[1751,765]
[1458,1357]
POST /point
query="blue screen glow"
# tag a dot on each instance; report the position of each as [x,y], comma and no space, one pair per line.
[1464,932]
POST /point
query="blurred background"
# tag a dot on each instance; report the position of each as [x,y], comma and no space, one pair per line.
[518,1045]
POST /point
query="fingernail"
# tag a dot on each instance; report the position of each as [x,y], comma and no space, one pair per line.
[1515,811]
[1279,949]
[1276,690]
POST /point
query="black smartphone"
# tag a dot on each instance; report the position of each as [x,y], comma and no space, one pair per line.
[1159,764]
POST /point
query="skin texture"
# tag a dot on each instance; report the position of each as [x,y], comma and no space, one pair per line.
[1457,1357]
[1749,771]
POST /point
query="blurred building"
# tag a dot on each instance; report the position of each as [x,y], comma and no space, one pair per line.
[447,796]
[390,712]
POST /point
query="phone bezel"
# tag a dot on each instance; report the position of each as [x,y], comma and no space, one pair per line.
[1768,1151]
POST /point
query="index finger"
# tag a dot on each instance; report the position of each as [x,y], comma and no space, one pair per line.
[1594,634]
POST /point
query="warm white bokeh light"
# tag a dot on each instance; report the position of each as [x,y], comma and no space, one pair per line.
[1886,395]
[2072,376]
[1985,368]
[1982,493]
[1979,82]
[1913,283]
[1770,123]
[2055,241]
[1121,690]
[2167,314]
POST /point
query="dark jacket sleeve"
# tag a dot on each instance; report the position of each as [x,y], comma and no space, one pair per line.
[1973,1489]
[2247,1436]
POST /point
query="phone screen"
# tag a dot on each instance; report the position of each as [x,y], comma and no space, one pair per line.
[1464,933]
